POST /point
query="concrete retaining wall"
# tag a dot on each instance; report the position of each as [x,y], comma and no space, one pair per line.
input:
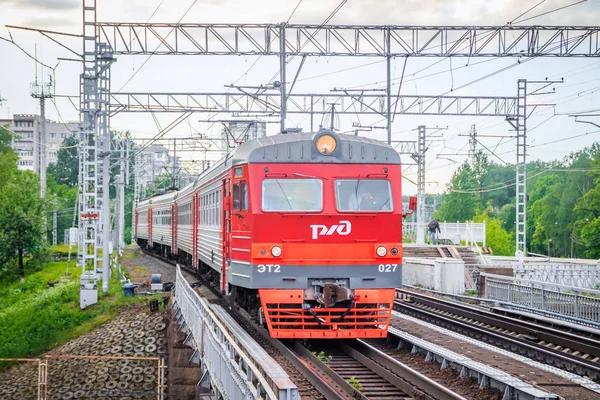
[442,274]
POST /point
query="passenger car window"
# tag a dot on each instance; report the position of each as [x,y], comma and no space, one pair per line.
[363,195]
[244,197]
[236,196]
[292,195]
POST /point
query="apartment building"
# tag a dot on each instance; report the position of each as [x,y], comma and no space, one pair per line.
[26,135]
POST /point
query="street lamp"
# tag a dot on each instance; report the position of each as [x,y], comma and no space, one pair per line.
[573,234]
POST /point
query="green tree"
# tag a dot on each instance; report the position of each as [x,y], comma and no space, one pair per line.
[20,218]
[20,210]
[66,168]
[461,202]
[497,237]
[8,158]
[587,225]
[553,201]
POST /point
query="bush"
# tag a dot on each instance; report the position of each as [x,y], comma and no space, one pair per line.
[39,259]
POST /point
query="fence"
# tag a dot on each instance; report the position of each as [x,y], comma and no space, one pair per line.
[59,376]
[232,370]
[560,299]
[468,232]
[578,275]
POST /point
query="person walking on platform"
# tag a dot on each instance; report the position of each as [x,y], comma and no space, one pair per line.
[433,230]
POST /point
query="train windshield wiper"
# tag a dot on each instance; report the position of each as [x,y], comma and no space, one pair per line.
[284,193]
[356,193]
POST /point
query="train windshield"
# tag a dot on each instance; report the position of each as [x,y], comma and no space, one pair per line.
[363,195]
[292,195]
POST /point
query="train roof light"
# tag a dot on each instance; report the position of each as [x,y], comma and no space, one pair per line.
[326,144]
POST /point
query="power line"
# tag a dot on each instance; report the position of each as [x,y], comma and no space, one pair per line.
[551,11]
[514,19]
[564,139]
[160,44]
[293,12]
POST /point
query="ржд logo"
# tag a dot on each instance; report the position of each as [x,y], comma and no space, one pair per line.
[343,228]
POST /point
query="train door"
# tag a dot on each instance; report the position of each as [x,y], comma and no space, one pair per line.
[226,231]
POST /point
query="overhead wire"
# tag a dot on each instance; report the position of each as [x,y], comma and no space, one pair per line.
[551,11]
[157,47]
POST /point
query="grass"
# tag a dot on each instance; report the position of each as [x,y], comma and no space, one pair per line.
[130,254]
[355,383]
[34,317]
[63,250]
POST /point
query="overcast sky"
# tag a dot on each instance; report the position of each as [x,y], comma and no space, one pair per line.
[580,92]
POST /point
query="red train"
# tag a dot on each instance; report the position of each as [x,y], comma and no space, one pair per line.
[303,228]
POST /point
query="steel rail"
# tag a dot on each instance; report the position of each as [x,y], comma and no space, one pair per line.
[405,376]
[573,341]
[539,352]
[331,384]
[327,388]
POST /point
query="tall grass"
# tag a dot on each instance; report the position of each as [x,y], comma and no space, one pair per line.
[35,317]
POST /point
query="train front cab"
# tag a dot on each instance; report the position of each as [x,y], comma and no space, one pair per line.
[326,251]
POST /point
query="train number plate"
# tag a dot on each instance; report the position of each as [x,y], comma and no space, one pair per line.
[275,268]
[388,267]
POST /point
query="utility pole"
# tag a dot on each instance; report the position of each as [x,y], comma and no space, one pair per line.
[419,158]
[174,177]
[136,193]
[519,123]
[282,78]
[42,91]
[332,124]
[106,212]
[55,225]
[472,141]
[121,199]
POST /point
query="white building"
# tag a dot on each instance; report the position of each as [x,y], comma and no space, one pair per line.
[236,132]
[26,131]
[152,162]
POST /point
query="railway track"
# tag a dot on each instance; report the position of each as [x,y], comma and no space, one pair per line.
[348,370]
[362,371]
[570,351]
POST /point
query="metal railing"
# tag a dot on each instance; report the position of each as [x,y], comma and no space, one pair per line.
[573,301]
[469,232]
[224,359]
[579,275]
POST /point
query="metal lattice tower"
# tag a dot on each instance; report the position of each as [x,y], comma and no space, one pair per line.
[88,193]
[521,193]
[94,117]
[420,159]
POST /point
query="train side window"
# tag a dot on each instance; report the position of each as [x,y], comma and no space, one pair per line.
[237,172]
[236,196]
[244,189]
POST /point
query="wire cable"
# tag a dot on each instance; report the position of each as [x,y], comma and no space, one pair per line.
[551,11]
[157,47]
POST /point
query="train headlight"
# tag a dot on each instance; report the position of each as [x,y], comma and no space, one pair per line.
[381,251]
[276,251]
[326,144]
